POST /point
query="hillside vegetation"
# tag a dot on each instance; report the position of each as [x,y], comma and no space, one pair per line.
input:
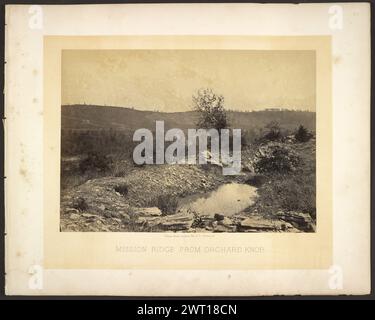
[104,190]
[87,117]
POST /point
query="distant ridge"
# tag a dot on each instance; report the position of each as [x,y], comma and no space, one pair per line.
[93,117]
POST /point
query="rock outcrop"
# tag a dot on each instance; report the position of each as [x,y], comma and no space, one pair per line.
[97,205]
[299,220]
[123,211]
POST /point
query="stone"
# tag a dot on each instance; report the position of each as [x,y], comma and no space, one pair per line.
[287,227]
[224,228]
[148,212]
[260,224]
[125,216]
[177,222]
[107,214]
[116,214]
[199,230]
[89,215]
[80,204]
[74,216]
[226,222]
[301,221]
[71,210]
[219,217]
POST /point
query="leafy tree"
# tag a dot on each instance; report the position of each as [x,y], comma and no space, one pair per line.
[210,107]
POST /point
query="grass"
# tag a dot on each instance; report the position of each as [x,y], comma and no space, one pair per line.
[290,192]
[117,165]
[293,191]
[70,180]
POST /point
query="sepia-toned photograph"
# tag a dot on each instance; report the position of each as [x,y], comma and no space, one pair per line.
[187,150]
[196,141]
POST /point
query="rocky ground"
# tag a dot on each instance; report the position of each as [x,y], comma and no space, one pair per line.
[113,203]
[129,203]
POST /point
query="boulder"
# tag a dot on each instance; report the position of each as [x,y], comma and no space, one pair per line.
[125,216]
[89,215]
[299,220]
[260,224]
[226,222]
[99,196]
[148,221]
[176,222]
[148,212]
[224,228]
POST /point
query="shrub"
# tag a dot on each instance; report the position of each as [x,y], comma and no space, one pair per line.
[95,162]
[302,134]
[218,217]
[80,204]
[198,222]
[275,158]
[273,131]
[122,189]
[119,168]
[292,192]
[167,204]
[256,180]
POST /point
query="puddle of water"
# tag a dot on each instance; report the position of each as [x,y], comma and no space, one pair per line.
[228,199]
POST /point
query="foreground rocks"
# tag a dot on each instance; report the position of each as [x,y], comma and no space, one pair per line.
[152,220]
[126,204]
[116,203]
[301,221]
[190,222]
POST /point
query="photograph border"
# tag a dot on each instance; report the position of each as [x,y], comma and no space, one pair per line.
[337,295]
[64,249]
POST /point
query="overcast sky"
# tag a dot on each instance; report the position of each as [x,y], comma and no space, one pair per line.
[166,79]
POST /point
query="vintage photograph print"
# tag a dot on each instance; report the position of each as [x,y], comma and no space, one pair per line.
[188,150]
[191,141]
